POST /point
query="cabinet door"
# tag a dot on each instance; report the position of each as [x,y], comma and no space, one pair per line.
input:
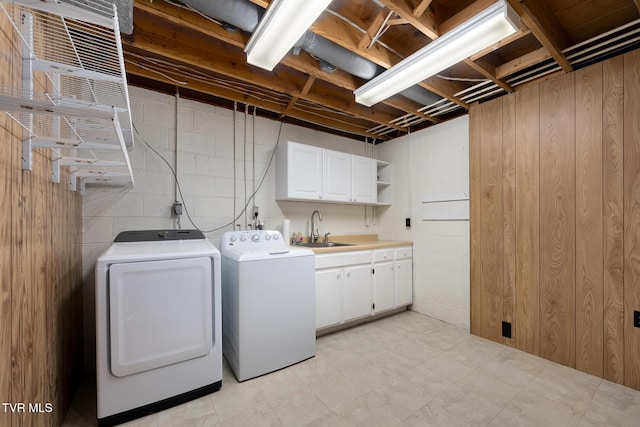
[364,180]
[357,292]
[337,176]
[383,286]
[304,180]
[404,282]
[328,297]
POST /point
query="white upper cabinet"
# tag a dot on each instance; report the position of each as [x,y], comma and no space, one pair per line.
[364,180]
[337,175]
[309,173]
[298,172]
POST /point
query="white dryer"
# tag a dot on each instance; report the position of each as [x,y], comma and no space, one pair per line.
[158,323]
[268,302]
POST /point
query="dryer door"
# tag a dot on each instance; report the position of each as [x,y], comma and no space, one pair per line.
[160,313]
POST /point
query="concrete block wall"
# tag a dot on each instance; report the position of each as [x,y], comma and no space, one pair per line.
[434,160]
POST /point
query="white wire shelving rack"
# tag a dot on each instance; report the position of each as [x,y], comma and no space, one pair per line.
[73,96]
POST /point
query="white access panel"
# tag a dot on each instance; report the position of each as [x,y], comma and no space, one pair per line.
[160,313]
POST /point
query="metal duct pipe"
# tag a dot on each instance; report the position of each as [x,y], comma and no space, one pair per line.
[420,95]
[245,15]
[240,13]
[337,56]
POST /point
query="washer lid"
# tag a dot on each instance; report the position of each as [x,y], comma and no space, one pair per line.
[151,251]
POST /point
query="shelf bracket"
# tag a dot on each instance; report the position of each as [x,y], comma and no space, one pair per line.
[73,181]
[55,168]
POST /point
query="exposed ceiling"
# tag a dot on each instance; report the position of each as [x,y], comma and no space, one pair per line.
[174,48]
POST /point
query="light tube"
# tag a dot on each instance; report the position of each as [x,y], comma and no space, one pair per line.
[488,27]
[284,22]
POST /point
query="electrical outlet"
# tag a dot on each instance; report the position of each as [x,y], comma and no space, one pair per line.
[407,222]
[506,329]
[177,208]
[636,319]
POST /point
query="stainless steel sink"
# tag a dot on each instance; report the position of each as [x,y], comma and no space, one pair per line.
[324,244]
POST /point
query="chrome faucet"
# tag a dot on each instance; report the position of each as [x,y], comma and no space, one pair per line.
[326,237]
[314,231]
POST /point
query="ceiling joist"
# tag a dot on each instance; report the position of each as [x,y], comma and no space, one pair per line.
[544,25]
[423,23]
[174,45]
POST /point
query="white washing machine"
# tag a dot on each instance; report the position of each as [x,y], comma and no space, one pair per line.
[268,302]
[158,323]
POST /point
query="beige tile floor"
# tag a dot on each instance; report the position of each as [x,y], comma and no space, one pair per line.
[404,370]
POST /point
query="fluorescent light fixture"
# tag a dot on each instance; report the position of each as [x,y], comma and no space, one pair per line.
[281,26]
[490,26]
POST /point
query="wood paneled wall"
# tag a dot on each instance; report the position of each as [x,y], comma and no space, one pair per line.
[555,219]
[40,273]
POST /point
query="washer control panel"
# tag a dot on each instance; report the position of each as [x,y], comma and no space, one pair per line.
[252,239]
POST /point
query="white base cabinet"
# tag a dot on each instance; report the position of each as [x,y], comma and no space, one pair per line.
[383,280]
[328,297]
[356,292]
[354,285]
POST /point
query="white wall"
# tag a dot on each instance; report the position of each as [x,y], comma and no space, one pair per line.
[434,160]
[205,152]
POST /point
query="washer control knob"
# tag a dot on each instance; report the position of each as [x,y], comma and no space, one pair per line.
[242,238]
[267,237]
[233,238]
[255,237]
[275,237]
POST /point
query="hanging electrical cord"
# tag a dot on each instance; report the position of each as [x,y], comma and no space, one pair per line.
[235,175]
[253,157]
[175,176]
[176,207]
[244,159]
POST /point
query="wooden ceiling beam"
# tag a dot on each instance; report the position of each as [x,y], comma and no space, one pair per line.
[193,21]
[397,21]
[374,26]
[544,25]
[522,62]
[185,18]
[327,120]
[489,71]
[412,107]
[421,8]
[425,23]
[303,62]
[446,89]
[513,37]
[464,15]
[303,92]
[136,67]
[338,31]
[151,36]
